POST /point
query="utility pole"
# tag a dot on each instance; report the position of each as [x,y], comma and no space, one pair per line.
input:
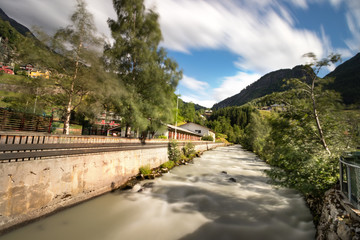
[177,106]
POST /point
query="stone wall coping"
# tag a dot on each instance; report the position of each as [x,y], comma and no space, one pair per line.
[355,213]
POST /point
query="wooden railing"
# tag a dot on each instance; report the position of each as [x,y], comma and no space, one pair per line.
[17,121]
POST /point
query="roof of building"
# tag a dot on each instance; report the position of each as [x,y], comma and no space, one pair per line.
[183,130]
[197,125]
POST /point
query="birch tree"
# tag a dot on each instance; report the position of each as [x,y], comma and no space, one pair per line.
[78,71]
[309,87]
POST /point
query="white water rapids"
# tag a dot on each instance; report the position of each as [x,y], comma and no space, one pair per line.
[223,195]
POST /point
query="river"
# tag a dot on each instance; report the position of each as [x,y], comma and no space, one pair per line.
[223,195]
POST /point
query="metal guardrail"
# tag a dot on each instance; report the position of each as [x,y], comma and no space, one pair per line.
[17,148]
[350,177]
[24,152]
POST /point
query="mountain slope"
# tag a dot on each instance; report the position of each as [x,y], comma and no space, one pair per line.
[19,27]
[269,83]
[347,80]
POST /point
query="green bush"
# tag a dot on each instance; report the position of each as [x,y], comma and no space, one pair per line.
[168,165]
[173,151]
[145,170]
[207,138]
[161,137]
[188,149]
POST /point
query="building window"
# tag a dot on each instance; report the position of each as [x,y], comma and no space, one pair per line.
[198,131]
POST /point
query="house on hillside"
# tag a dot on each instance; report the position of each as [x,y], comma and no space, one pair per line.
[6,69]
[27,67]
[36,74]
[201,130]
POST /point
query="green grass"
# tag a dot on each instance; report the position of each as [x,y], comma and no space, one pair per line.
[168,165]
[145,170]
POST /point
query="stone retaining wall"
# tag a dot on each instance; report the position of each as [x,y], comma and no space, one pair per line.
[31,189]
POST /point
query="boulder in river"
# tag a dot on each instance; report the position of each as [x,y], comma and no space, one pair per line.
[232,179]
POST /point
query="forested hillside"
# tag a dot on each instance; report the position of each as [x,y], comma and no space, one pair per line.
[347,80]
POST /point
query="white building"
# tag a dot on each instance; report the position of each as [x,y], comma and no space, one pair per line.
[179,133]
[201,130]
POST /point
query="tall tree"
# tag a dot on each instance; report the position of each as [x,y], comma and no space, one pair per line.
[79,72]
[149,76]
[313,69]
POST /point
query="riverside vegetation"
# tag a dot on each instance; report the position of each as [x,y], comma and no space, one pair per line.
[176,156]
[302,137]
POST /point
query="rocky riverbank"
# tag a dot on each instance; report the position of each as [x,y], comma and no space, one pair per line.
[156,172]
[338,218]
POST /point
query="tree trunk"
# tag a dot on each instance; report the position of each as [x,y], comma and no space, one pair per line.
[66,129]
[36,98]
[316,116]
[127,131]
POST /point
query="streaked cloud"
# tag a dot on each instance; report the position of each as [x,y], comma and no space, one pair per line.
[264,36]
[193,84]
[353,21]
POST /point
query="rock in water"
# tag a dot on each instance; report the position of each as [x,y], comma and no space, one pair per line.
[232,179]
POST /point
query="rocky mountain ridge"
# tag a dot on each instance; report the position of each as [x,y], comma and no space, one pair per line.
[19,27]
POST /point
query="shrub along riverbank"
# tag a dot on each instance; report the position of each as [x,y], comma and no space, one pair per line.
[176,156]
[287,139]
[300,132]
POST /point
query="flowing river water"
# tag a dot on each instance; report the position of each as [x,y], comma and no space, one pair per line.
[223,195]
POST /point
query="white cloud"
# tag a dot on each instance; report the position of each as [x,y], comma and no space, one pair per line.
[56,14]
[336,3]
[353,21]
[300,3]
[50,18]
[193,84]
[230,86]
[201,101]
[233,85]
[263,36]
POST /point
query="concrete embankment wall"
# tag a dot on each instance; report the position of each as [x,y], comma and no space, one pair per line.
[30,189]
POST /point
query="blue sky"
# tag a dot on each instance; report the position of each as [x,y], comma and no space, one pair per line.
[223,46]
